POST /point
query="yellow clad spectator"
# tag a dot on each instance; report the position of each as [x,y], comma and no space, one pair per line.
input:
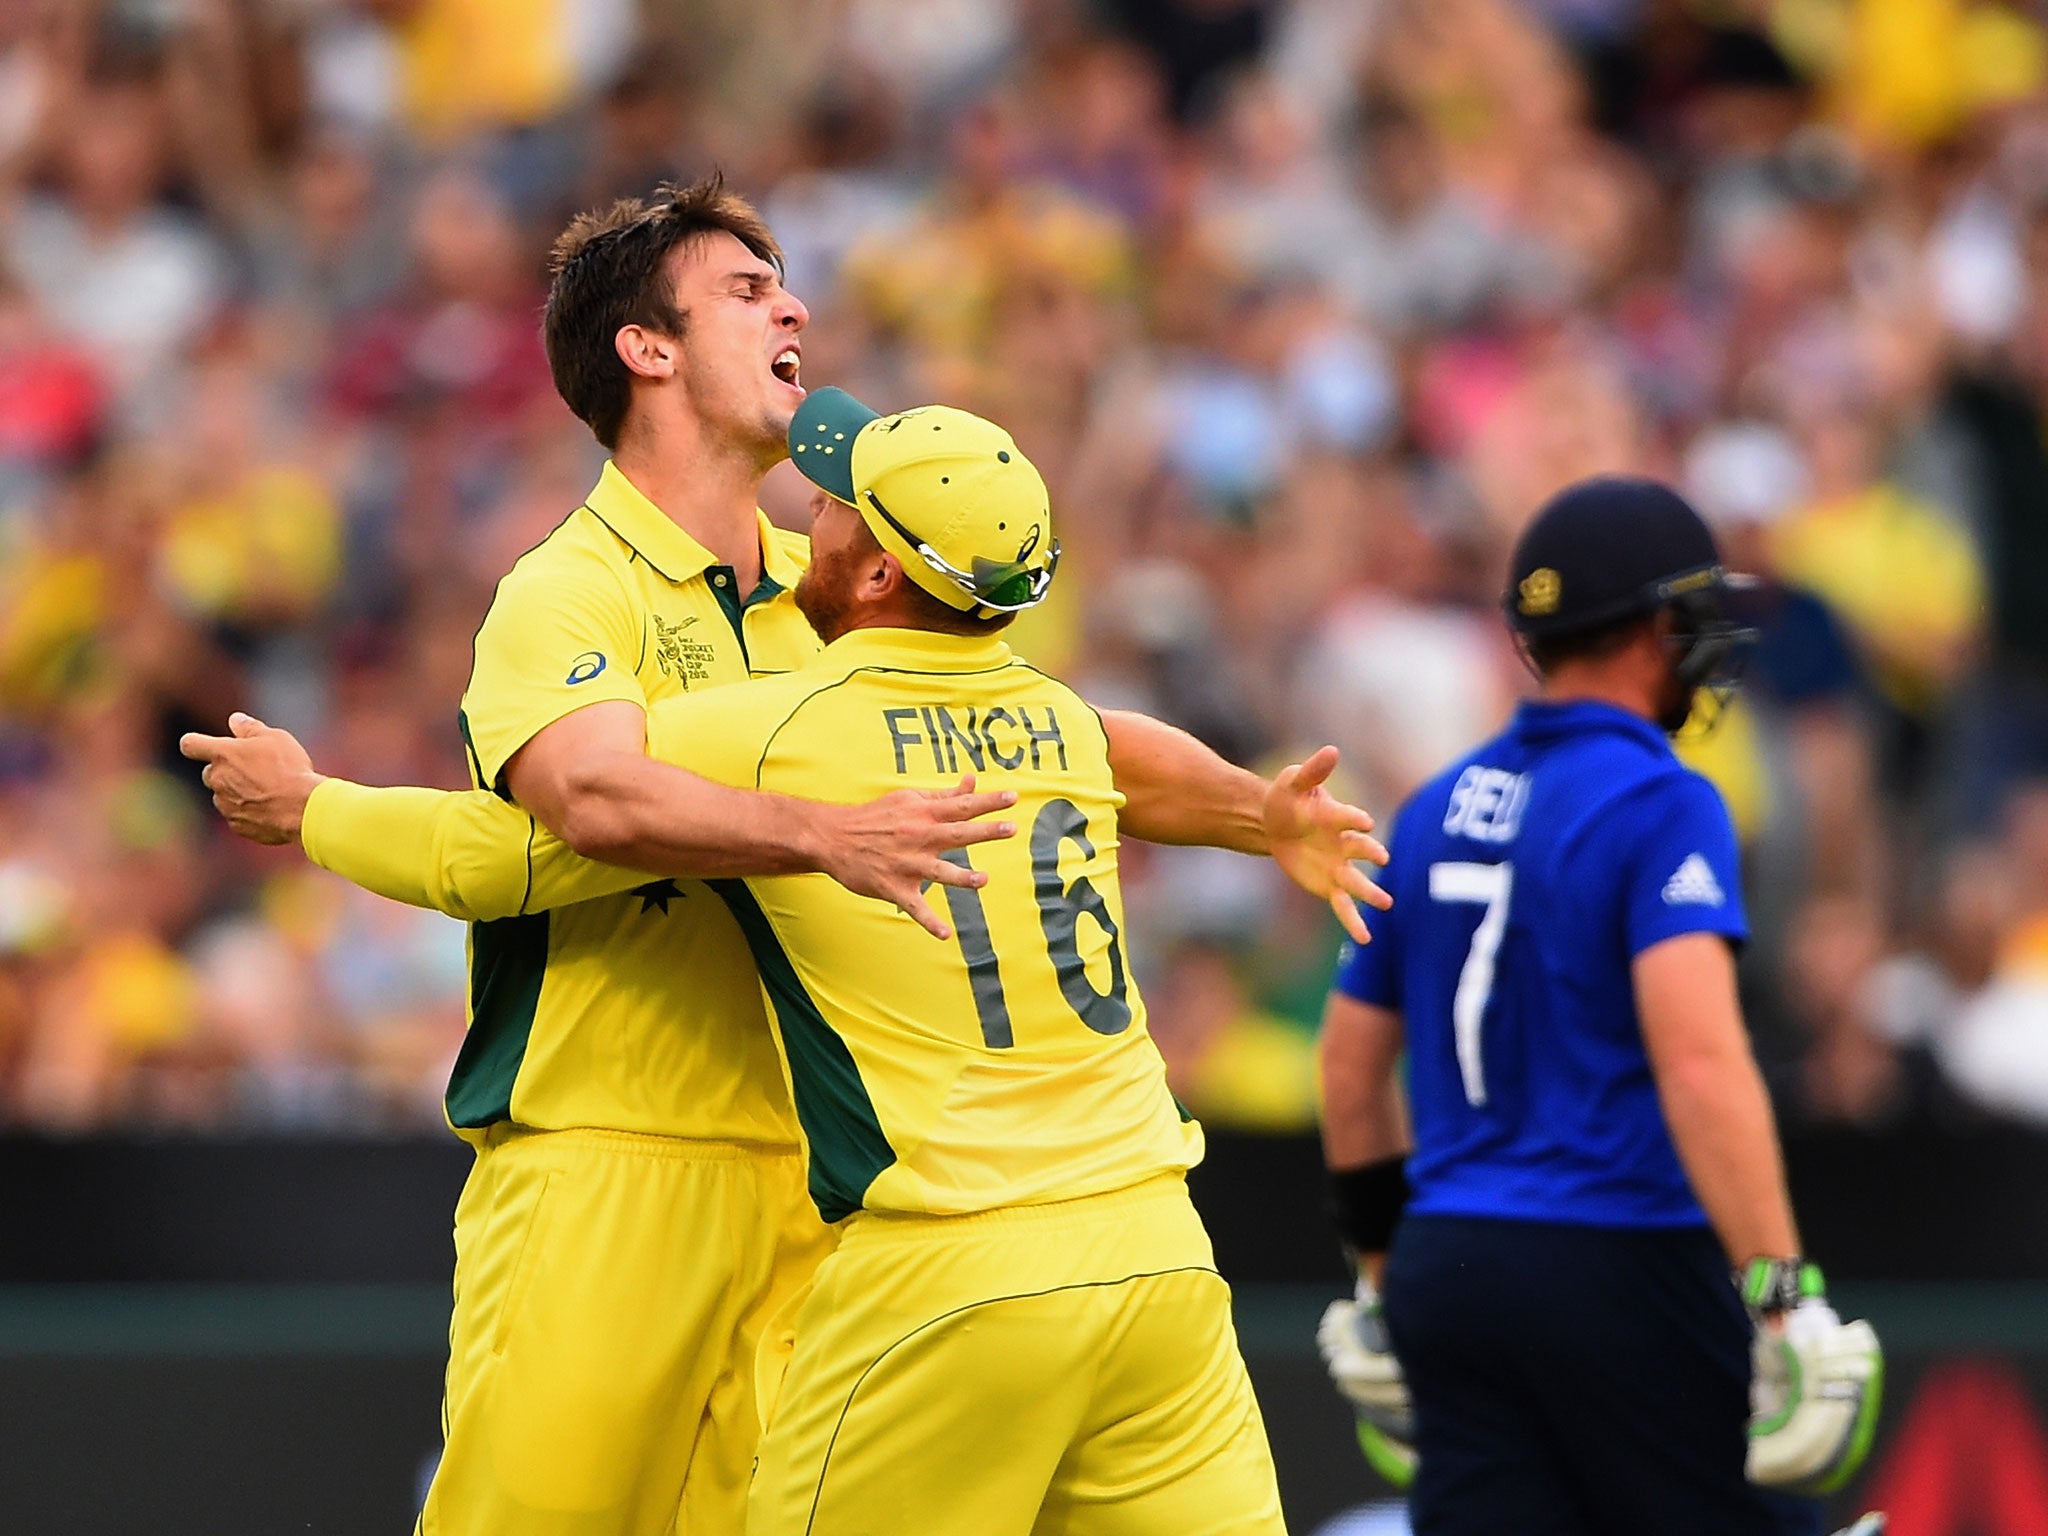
[1230,1062]
[138,990]
[940,283]
[52,602]
[264,549]
[1911,72]
[1729,750]
[471,64]
[1904,577]
[253,536]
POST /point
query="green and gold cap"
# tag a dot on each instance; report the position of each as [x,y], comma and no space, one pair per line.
[948,494]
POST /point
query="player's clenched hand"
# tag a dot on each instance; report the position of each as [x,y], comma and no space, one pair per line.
[1353,1340]
[260,777]
[895,847]
[1815,1388]
[1315,837]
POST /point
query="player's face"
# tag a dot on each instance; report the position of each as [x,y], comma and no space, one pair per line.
[842,553]
[1675,696]
[741,344]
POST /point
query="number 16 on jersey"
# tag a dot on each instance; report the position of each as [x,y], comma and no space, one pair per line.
[1492,886]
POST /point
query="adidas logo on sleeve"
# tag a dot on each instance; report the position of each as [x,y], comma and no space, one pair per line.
[1693,884]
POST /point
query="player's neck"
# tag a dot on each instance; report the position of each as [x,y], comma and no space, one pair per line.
[707,490]
[1591,684]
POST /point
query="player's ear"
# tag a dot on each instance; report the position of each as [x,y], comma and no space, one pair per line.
[881,576]
[647,353]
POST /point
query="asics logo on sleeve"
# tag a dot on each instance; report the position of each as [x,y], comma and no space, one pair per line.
[1693,884]
[585,667]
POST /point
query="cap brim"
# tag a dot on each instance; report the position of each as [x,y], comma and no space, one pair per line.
[821,438]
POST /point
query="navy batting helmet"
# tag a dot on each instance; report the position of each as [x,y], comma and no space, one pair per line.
[1619,547]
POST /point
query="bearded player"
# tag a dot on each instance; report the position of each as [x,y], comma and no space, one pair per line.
[636,1214]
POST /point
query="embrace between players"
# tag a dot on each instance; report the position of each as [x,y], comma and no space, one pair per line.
[762,1138]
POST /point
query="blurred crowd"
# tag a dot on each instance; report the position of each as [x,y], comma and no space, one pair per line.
[1302,305]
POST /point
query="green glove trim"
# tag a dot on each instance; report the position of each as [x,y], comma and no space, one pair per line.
[1392,1460]
[1796,1373]
[1860,1439]
[1778,1285]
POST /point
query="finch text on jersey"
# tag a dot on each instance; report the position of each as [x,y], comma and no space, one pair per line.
[959,737]
[1487,804]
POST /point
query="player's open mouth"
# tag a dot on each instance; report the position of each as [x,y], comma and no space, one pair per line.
[787,365]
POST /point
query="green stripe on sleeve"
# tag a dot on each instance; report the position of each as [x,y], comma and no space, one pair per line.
[848,1148]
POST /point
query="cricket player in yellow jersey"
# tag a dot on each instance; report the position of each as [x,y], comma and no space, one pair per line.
[636,1212]
[1021,1329]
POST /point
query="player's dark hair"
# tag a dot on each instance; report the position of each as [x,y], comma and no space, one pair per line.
[607,269]
[1549,652]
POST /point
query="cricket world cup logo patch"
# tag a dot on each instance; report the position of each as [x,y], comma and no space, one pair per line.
[680,657]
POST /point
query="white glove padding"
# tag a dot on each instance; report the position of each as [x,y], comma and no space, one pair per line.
[1814,1395]
[1353,1341]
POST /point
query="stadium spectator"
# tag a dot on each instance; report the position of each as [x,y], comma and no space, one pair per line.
[1301,305]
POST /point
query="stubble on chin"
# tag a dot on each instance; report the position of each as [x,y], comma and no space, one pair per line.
[772,446]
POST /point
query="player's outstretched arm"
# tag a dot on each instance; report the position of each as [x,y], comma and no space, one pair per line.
[1176,790]
[469,855]
[590,778]
[474,856]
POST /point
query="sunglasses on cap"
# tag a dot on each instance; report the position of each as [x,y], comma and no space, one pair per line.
[993,584]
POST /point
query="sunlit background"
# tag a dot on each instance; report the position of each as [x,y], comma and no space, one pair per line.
[1302,306]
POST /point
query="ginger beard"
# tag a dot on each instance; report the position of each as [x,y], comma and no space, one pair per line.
[825,592]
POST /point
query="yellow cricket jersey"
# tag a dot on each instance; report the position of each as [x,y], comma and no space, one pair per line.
[638,1012]
[1008,1065]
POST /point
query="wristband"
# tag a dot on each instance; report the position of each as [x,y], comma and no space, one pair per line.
[1366,1203]
[1778,1285]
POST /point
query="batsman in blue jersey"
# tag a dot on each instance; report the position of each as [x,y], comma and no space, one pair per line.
[1596,1318]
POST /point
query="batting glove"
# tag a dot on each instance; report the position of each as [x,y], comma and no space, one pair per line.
[1354,1345]
[1815,1386]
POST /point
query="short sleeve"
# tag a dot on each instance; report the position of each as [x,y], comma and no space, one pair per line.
[1681,870]
[1371,973]
[560,635]
[719,735]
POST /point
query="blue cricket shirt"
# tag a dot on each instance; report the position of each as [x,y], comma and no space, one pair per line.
[1525,879]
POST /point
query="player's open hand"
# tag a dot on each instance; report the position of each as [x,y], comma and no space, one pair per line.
[260,776]
[1317,839]
[896,847]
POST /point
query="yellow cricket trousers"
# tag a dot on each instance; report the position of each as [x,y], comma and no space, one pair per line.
[1054,1370]
[610,1291]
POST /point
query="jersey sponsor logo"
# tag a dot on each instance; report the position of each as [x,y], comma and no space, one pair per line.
[585,667]
[1487,804]
[687,661]
[1003,736]
[1693,884]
